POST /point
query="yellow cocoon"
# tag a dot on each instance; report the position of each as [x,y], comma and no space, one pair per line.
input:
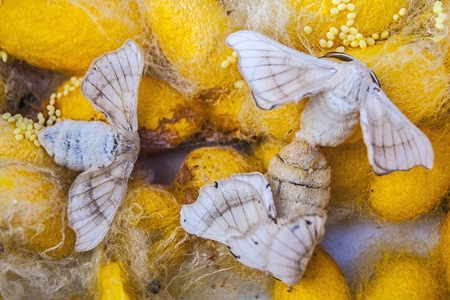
[323,279]
[23,150]
[414,79]
[31,203]
[351,173]
[206,165]
[192,36]
[371,17]
[110,282]
[401,277]
[281,123]
[64,36]
[405,195]
[265,150]
[166,117]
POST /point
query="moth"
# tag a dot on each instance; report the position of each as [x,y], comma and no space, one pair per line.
[240,212]
[104,153]
[339,94]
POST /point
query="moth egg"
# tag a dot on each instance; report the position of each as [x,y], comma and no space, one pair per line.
[307,29]
[37,126]
[19,137]
[65,93]
[71,89]
[4,56]
[51,112]
[362,44]
[350,22]
[345,29]
[231,59]
[439,26]
[359,36]
[346,42]
[11,119]
[18,116]
[73,80]
[239,84]
[440,19]
[375,36]
[340,49]
[329,44]
[234,54]
[370,41]
[396,17]
[336,2]
[17,131]
[330,35]
[33,137]
[52,97]
[354,44]
[58,113]
[59,95]
[37,143]
[40,116]
[6,116]
[351,16]
[334,30]
[351,7]
[342,6]
[27,134]
[225,64]
[342,35]
[29,126]
[437,3]
[53,118]
[353,30]
[52,101]
[49,122]
[437,9]
[384,34]
[402,12]
[50,107]
[351,37]
[334,11]
[42,121]
[323,43]
[22,125]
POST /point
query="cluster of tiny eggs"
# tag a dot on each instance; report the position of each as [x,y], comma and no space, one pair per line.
[441,16]
[349,35]
[229,61]
[28,129]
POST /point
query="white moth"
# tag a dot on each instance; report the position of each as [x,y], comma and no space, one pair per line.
[339,94]
[104,153]
[240,212]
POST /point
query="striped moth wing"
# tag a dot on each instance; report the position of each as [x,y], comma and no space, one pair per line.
[239,212]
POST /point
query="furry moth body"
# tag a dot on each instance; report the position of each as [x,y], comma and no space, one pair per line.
[341,94]
[240,212]
[104,153]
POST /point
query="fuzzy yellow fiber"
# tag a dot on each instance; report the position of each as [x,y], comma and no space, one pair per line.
[23,150]
[401,277]
[371,17]
[351,173]
[265,150]
[31,202]
[192,36]
[323,279]
[401,196]
[166,117]
[110,282]
[74,34]
[281,123]
[206,165]
[414,79]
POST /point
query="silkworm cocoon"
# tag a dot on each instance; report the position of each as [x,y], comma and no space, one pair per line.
[401,196]
[74,34]
[323,279]
[111,282]
[31,207]
[401,277]
[192,35]
[265,150]
[206,165]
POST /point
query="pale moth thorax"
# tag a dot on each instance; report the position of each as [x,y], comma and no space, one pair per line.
[105,153]
[271,223]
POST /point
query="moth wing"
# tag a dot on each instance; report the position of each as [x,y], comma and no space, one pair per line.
[228,207]
[278,74]
[393,142]
[94,198]
[111,85]
[282,249]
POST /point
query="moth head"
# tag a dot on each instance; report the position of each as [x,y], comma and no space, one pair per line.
[346,58]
